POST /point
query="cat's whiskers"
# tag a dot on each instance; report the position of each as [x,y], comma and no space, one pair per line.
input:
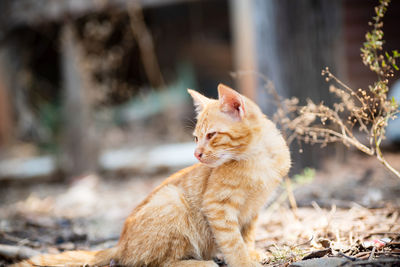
[189,124]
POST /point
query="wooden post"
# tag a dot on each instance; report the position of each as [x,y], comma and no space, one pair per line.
[289,42]
[79,140]
[17,118]
[6,127]
[295,40]
[244,46]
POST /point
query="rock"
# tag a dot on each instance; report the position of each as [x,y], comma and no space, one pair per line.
[326,262]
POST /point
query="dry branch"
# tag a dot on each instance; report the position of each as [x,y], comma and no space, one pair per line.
[369,110]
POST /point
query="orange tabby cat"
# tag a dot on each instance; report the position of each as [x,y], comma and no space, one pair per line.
[208,208]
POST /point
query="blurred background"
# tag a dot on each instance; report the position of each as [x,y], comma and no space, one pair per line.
[97,88]
[83,79]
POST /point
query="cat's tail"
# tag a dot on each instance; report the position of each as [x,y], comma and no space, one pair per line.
[71,258]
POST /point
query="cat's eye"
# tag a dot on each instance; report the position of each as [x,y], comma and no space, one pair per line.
[210,135]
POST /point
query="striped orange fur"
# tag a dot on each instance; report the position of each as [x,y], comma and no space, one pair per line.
[209,208]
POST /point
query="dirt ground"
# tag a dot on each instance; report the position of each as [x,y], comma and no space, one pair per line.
[345,207]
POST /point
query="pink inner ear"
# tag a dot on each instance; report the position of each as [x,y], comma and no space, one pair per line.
[231,102]
[236,106]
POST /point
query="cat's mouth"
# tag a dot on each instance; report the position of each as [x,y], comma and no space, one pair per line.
[213,162]
[209,162]
[205,161]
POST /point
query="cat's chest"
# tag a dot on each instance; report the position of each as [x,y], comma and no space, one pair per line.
[253,199]
[245,190]
[255,194]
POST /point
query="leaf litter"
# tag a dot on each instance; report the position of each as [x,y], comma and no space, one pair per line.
[51,218]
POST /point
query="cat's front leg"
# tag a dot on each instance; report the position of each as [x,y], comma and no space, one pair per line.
[222,218]
[248,234]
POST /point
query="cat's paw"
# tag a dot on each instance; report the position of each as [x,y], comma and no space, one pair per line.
[219,259]
[211,264]
[258,256]
[255,255]
[255,264]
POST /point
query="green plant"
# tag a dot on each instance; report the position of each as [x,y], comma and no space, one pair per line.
[305,177]
[286,254]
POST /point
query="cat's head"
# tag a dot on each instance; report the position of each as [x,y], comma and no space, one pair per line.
[226,128]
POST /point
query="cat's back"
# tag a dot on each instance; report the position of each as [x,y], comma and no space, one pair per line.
[189,183]
[188,176]
[170,212]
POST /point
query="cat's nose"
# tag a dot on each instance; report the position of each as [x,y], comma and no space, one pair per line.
[198,154]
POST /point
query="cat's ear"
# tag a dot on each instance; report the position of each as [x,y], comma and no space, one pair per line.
[231,102]
[199,100]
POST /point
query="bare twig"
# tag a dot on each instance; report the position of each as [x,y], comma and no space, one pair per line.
[383,233]
[346,256]
[371,256]
[289,190]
